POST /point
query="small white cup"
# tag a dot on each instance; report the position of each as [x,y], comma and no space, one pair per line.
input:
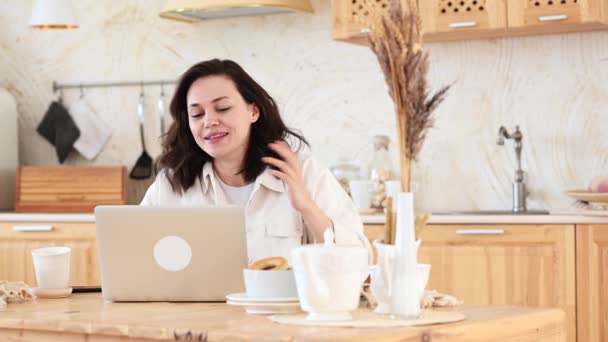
[270,284]
[361,193]
[52,266]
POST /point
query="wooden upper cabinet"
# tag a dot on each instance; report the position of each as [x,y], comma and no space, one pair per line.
[445,20]
[462,19]
[536,16]
[348,16]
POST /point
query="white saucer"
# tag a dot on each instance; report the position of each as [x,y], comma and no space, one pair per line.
[51,293]
[268,308]
[242,298]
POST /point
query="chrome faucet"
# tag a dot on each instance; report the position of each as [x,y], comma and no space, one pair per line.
[519,186]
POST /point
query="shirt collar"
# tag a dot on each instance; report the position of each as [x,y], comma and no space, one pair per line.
[265,178]
[269,181]
[207,174]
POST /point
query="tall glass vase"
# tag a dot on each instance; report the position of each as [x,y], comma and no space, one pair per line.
[405,299]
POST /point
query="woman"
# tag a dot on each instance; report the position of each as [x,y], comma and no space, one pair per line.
[228,145]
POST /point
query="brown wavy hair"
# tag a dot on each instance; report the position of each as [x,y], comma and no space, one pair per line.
[181,155]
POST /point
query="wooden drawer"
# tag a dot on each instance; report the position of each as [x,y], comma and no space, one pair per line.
[69,189]
[16,262]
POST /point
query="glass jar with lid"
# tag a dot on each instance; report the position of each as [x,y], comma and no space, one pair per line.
[345,171]
[380,169]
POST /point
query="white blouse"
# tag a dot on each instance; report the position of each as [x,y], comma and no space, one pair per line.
[273,226]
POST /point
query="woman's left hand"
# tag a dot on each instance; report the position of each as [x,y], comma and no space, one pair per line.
[289,170]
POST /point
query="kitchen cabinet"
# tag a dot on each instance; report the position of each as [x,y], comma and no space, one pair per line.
[347,20]
[449,20]
[462,19]
[523,264]
[592,282]
[528,265]
[18,239]
[550,16]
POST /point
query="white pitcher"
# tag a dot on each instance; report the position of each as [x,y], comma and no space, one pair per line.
[329,279]
[382,276]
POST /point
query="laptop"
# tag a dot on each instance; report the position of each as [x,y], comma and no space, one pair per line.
[170,254]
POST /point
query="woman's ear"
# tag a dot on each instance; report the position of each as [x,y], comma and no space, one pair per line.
[255,113]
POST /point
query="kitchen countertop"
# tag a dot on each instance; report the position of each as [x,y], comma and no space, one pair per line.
[559,217]
[27,217]
[85,317]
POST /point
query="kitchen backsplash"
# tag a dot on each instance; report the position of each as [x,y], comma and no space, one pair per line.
[554,87]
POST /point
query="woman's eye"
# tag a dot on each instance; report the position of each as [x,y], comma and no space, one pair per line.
[196,115]
[223,109]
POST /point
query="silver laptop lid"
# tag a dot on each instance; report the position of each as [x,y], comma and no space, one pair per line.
[170,254]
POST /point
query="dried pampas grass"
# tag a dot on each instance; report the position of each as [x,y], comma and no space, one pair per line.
[395,36]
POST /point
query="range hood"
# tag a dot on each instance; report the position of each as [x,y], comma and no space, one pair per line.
[195,10]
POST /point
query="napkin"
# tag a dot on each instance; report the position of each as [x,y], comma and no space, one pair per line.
[58,128]
[94,133]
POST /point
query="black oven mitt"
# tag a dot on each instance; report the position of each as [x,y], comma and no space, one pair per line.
[59,129]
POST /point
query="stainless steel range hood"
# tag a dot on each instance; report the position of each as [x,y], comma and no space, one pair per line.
[195,10]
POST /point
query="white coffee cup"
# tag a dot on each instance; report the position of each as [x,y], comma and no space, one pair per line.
[361,193]
[52,267]
[382,276]
[270,284]
[392,188]
[329,279]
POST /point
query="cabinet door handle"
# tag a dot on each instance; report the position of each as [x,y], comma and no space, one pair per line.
[480,232]
[462,24]
[558,17]
[32,228]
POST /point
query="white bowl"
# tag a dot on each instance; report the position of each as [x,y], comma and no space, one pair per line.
[270,284]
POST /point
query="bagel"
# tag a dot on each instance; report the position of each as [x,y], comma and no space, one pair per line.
[270,264]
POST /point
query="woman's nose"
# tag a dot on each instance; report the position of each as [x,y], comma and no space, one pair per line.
[210,119]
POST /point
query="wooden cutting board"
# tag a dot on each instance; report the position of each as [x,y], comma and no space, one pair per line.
[9,158]
[66,189]
[581,212]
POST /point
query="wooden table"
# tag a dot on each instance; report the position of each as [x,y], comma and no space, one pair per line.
[86,317]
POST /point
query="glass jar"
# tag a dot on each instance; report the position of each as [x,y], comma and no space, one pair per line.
[380,170]
[344,172]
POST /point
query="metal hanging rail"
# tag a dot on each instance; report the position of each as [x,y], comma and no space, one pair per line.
[60,86]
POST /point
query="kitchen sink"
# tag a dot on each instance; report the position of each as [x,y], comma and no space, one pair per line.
[494,212]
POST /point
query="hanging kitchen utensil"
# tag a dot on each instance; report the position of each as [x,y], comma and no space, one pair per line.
[143,165]
[161,110]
